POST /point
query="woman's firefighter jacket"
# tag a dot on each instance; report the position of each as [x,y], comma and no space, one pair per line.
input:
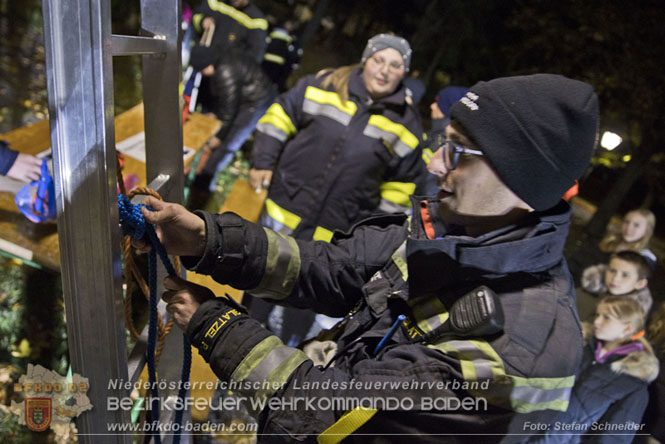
[385,267]
[607,402]
[334,163]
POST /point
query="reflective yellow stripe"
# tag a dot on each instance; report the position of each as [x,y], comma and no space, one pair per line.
[267,366]
[399,257]
[196,21]
[429,313]
[240,17]
[255,356]
[346,425]
[276,119]
[398,192]
[282,267]
[322,234]
[274,58]
[427,155]
[479,361]
[281,35]
[401,139]
[330,98]
[281,215]
[281,373]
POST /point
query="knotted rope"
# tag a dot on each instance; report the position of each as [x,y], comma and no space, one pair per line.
[134,225]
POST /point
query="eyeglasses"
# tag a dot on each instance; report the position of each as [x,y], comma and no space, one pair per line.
[392,66]
[452,152]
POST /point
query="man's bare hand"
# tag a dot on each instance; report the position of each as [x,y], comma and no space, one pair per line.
[26,168]
[183,298]
[182,233]
[259,179]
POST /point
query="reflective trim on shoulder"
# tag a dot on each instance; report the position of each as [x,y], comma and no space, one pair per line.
[480,362]
[319,102]
[401,139]
[398,193]
[240,17]
[276,123]
[268,366]
[322,234]
[282,267]
[274,58]
[387,206]
[346,425]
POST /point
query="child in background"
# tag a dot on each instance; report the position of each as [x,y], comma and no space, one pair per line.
[636,231]
[626,274]
[610,390]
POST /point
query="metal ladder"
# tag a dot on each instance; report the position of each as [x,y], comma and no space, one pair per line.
[79,49]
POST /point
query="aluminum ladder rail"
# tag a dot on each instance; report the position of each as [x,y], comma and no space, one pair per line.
[79,48]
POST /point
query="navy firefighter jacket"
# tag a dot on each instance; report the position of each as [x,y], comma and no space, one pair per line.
[383,268]
[336,162]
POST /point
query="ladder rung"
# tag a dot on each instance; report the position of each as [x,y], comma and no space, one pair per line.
[134,45]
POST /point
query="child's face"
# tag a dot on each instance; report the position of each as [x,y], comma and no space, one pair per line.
[608,328]
[634,227]
[621,277]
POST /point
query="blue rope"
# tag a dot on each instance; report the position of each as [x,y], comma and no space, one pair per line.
[134,225]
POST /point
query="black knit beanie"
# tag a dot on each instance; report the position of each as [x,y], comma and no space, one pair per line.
[537,132]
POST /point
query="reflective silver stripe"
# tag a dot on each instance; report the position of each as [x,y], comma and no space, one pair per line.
[400,148]
[322,109]
[534,395]
[483,369]
[282,267]
[479,361]
[272,131]
[481,365]
[378,133]
[269,363]
[392,207]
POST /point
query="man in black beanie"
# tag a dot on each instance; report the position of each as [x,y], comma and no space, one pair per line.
[497,225]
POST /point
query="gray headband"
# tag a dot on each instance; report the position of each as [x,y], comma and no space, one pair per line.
[382,41]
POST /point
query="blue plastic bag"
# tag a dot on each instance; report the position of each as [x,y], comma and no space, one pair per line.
[37,200]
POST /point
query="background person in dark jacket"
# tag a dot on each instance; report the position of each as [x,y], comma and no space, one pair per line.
[498,220]
[440,118]
[239,93]
[282,54]
[239,25]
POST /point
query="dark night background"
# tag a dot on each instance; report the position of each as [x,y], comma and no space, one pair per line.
[617,46]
